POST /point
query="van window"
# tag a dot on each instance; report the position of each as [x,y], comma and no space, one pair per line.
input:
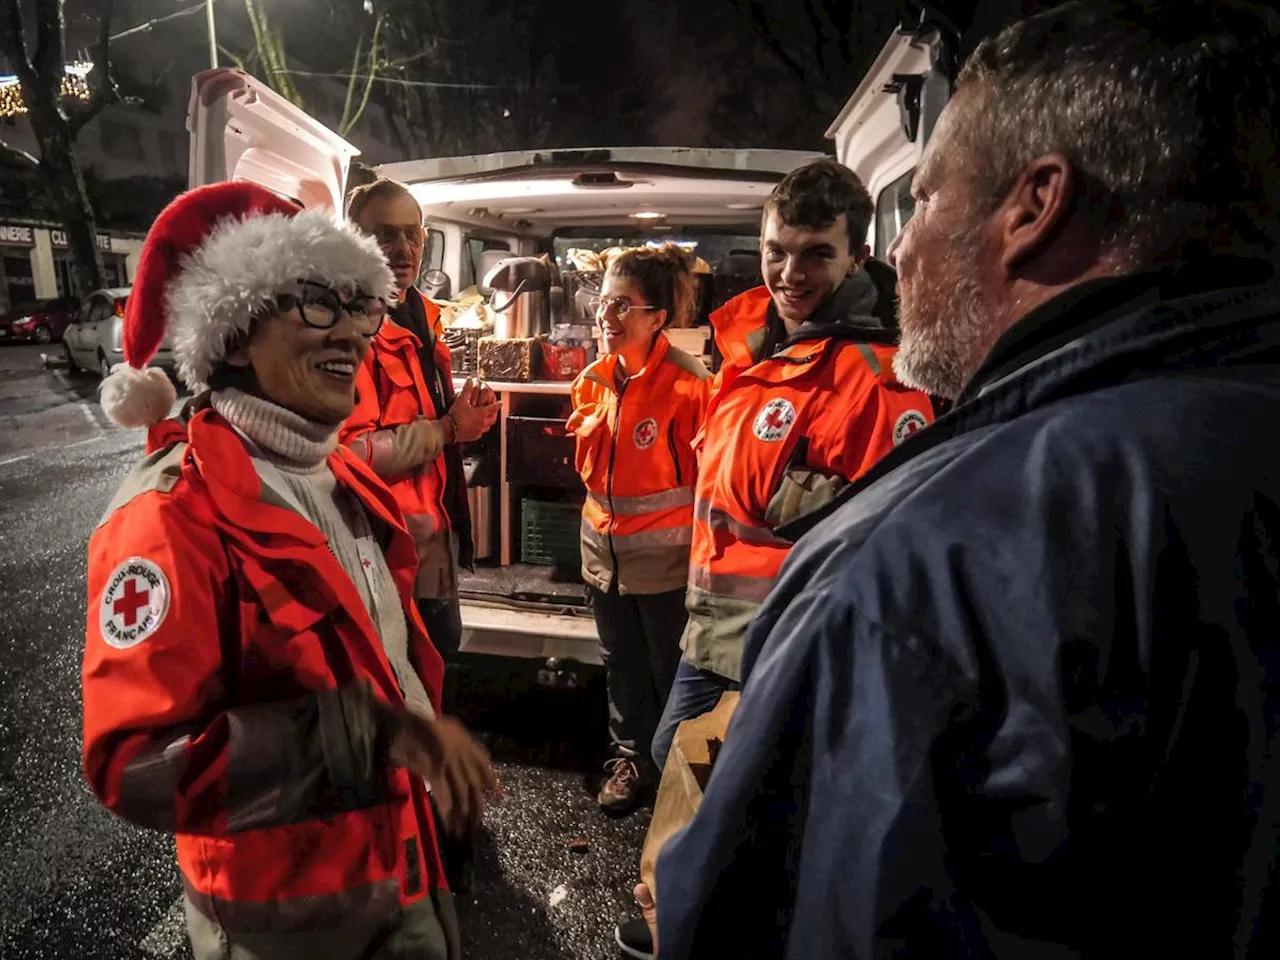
[894,208]
[472,247]
[433,258]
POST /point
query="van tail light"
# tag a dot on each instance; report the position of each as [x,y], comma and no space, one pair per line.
[120,309]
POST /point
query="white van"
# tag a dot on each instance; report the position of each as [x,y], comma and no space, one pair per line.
[479,209]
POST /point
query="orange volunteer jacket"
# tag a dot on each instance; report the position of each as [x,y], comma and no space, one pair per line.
[635,455]
[232,688]
[389,429]
[783,433]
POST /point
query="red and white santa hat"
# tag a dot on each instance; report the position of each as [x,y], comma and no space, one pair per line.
[214,258]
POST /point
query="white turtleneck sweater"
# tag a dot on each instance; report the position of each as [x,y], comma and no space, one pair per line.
[291,454]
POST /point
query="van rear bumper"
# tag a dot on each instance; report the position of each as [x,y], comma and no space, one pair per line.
[493,629]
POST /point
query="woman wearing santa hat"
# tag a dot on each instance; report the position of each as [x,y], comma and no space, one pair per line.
[257,679]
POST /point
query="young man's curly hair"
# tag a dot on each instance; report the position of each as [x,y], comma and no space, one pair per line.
[815,195]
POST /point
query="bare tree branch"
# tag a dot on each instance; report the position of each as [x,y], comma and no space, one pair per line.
[21,156]
[764,30]
[824,30]
[104,86]
[48,61]
[374,53]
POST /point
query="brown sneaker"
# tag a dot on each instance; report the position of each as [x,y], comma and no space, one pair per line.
[622,790]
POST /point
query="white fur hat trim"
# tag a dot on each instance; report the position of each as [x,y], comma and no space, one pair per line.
[244,263]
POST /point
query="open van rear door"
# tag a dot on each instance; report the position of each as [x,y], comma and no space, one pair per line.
[881,131]
[241,129]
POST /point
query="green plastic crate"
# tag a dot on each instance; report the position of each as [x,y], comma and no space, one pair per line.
[550,532]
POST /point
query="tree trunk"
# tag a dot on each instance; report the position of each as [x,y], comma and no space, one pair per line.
[65,184]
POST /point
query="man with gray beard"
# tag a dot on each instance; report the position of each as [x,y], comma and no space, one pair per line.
[1017,692]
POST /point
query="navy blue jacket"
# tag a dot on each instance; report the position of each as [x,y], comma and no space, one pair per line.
[1015,693]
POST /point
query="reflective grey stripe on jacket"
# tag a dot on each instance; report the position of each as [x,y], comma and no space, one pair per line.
[713,636]
[717,519]
[649,503]
[286,762]
[650,561]
[337,926]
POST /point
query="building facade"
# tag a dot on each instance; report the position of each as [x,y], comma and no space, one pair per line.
[130,143]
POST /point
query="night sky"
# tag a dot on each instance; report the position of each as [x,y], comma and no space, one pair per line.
[577,72]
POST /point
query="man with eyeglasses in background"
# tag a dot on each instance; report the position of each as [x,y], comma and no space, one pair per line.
[408,423]
[409,426]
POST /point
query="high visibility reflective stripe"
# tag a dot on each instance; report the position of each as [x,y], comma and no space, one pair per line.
[733,585]
[870,356]
[649,503]
[717,519]
[325,911]
[680,536]
[149,783]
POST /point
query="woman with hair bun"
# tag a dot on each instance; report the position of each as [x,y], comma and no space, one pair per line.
[636,412]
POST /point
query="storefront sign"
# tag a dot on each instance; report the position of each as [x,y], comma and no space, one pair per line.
[11,233]
[25,236]
[59,239]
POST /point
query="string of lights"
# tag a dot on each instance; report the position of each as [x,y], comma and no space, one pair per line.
[75,86]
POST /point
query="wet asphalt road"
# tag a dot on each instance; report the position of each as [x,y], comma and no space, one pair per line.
[77,883]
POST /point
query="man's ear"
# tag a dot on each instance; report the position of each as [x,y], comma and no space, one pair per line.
[1036,208]
[860,257]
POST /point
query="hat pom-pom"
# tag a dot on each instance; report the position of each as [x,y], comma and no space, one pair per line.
[137,398]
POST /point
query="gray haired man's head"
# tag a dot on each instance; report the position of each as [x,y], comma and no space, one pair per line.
[1084,142]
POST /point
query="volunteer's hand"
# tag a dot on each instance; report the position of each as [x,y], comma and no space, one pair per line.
[456,765]
[584,421]
[644,900]
[472,419]
[484,395]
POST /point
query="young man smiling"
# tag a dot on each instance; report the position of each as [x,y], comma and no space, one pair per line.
[804,402]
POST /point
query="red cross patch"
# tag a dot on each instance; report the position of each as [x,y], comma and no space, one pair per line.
[774,420]
[134,603]
[907,424]
[645,433]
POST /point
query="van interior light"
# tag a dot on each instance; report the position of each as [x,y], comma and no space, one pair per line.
[481,192]
[648,215]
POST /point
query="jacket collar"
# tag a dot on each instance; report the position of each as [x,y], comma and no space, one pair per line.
[1096,304]
[739,326]
[1190,317]
[748,327]
[233,483]
[605,370]
[395,337]
[848,314]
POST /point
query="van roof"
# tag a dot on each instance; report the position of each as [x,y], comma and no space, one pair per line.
[546,190]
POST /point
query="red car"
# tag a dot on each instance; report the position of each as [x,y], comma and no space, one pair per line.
[40,321]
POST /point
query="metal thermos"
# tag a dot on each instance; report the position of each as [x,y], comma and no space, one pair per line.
[521,297]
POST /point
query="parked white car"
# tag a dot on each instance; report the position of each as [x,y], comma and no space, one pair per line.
[93,339]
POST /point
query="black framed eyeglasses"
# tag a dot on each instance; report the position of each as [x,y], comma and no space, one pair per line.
[620,306]
[320,307]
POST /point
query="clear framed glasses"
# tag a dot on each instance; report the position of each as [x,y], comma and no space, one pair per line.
[620,306]
[320,307]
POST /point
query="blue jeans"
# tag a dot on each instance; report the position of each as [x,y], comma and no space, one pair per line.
[694,693]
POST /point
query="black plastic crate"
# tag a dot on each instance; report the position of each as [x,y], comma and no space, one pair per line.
[539,451]
[550,532]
